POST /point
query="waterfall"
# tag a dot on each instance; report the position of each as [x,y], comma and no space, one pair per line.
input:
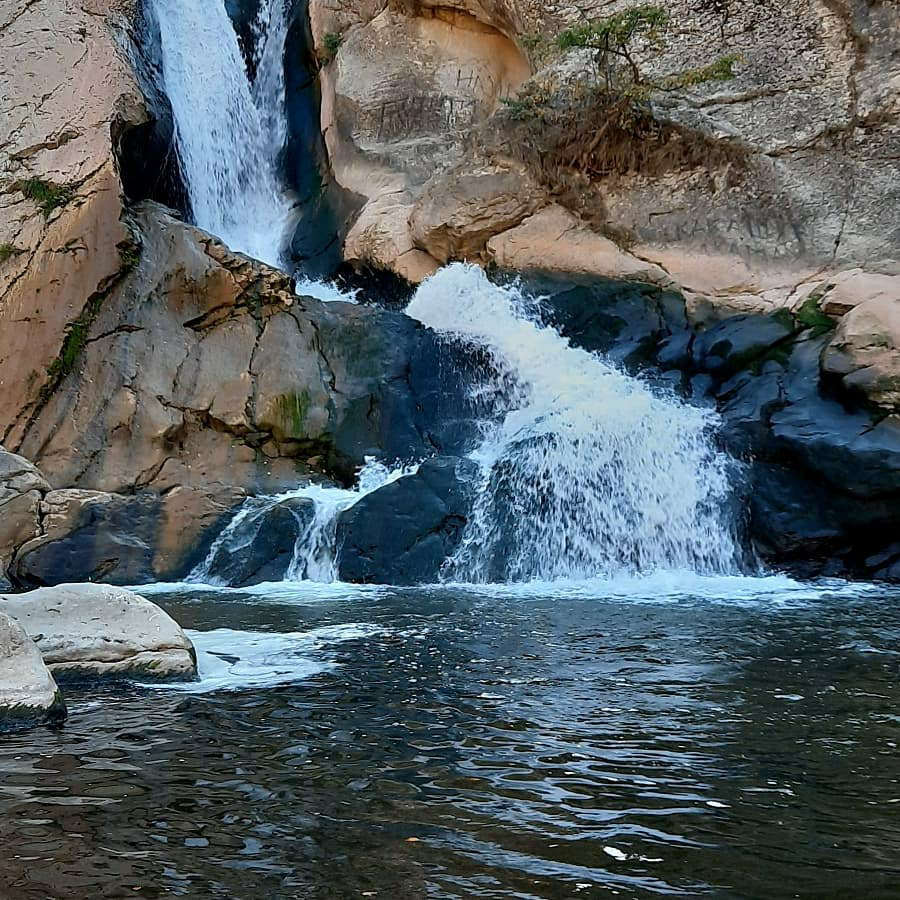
[314,556]
[585,471]
[229,132]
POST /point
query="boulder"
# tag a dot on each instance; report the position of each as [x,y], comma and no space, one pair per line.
[459,211]
[121,539]
[28,694]
[93,630]
[21,488]
[865,351]
[739,341]
[237,363]
[258,545]
[405,531]
[554,240]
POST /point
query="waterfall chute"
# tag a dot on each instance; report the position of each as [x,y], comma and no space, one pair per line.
[585,472]
[229,132]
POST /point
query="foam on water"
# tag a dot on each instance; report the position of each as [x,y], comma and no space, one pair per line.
[586,471]
[229,132]
[230,660]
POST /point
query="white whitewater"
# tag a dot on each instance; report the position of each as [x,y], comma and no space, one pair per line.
[585,473]
[314,557]
[228,132]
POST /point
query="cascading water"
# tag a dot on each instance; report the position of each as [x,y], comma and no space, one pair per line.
[229,132]
[314,553]
[585,472]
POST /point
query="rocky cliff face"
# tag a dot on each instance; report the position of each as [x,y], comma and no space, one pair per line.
[156,378]
[413,121]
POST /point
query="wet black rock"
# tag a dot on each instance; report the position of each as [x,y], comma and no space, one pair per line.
[403,532]
[736,343]
[261,547]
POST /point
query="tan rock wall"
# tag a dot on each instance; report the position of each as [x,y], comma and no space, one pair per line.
[66,90]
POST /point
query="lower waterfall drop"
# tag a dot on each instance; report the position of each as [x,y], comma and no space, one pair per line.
[585,472]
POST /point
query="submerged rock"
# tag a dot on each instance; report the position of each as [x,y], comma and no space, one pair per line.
[92,630]
[405,531]
[28,694]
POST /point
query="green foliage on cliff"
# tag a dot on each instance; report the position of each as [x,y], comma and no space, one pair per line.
[330,46]
[7,251]
[572,131]
[811,316]
[47,195]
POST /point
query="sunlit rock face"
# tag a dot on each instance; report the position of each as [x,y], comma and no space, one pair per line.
[813,109]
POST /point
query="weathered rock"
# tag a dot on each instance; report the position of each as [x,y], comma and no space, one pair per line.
[404,86]
[459,211]
[92,630]
[67,92]
[865,351]
[404,532]
[121,539]
[28,694]
[21,488]
[261,546]
[553,240]
[738,341]
[201,357]
[623,320]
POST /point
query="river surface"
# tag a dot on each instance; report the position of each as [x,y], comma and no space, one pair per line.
[716,737]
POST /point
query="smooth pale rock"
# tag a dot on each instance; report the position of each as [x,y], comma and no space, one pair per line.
[408,82]
[553,240]
[67,90]
[28,694]
[865,350]
[92,630]
[850,289]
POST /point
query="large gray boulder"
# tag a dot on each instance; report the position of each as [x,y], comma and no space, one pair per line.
[93,630]
[28,694]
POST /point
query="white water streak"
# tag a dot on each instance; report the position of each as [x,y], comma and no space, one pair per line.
[587,473]
[314,556]
[228,132]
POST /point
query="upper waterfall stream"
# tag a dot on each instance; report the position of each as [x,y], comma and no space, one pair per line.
[229,131]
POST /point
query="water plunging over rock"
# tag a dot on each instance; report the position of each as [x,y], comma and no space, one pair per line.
[229,130]
[586,472]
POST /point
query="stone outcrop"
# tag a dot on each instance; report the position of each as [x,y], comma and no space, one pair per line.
[68,92]
[865,350]
[28,694]
[207,372]
[406,84]
[403,532]
[259,546]
[21,489]
[120,538]
[805,189]
[91,630]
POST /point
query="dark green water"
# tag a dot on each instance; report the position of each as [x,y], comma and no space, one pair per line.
[452,744]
